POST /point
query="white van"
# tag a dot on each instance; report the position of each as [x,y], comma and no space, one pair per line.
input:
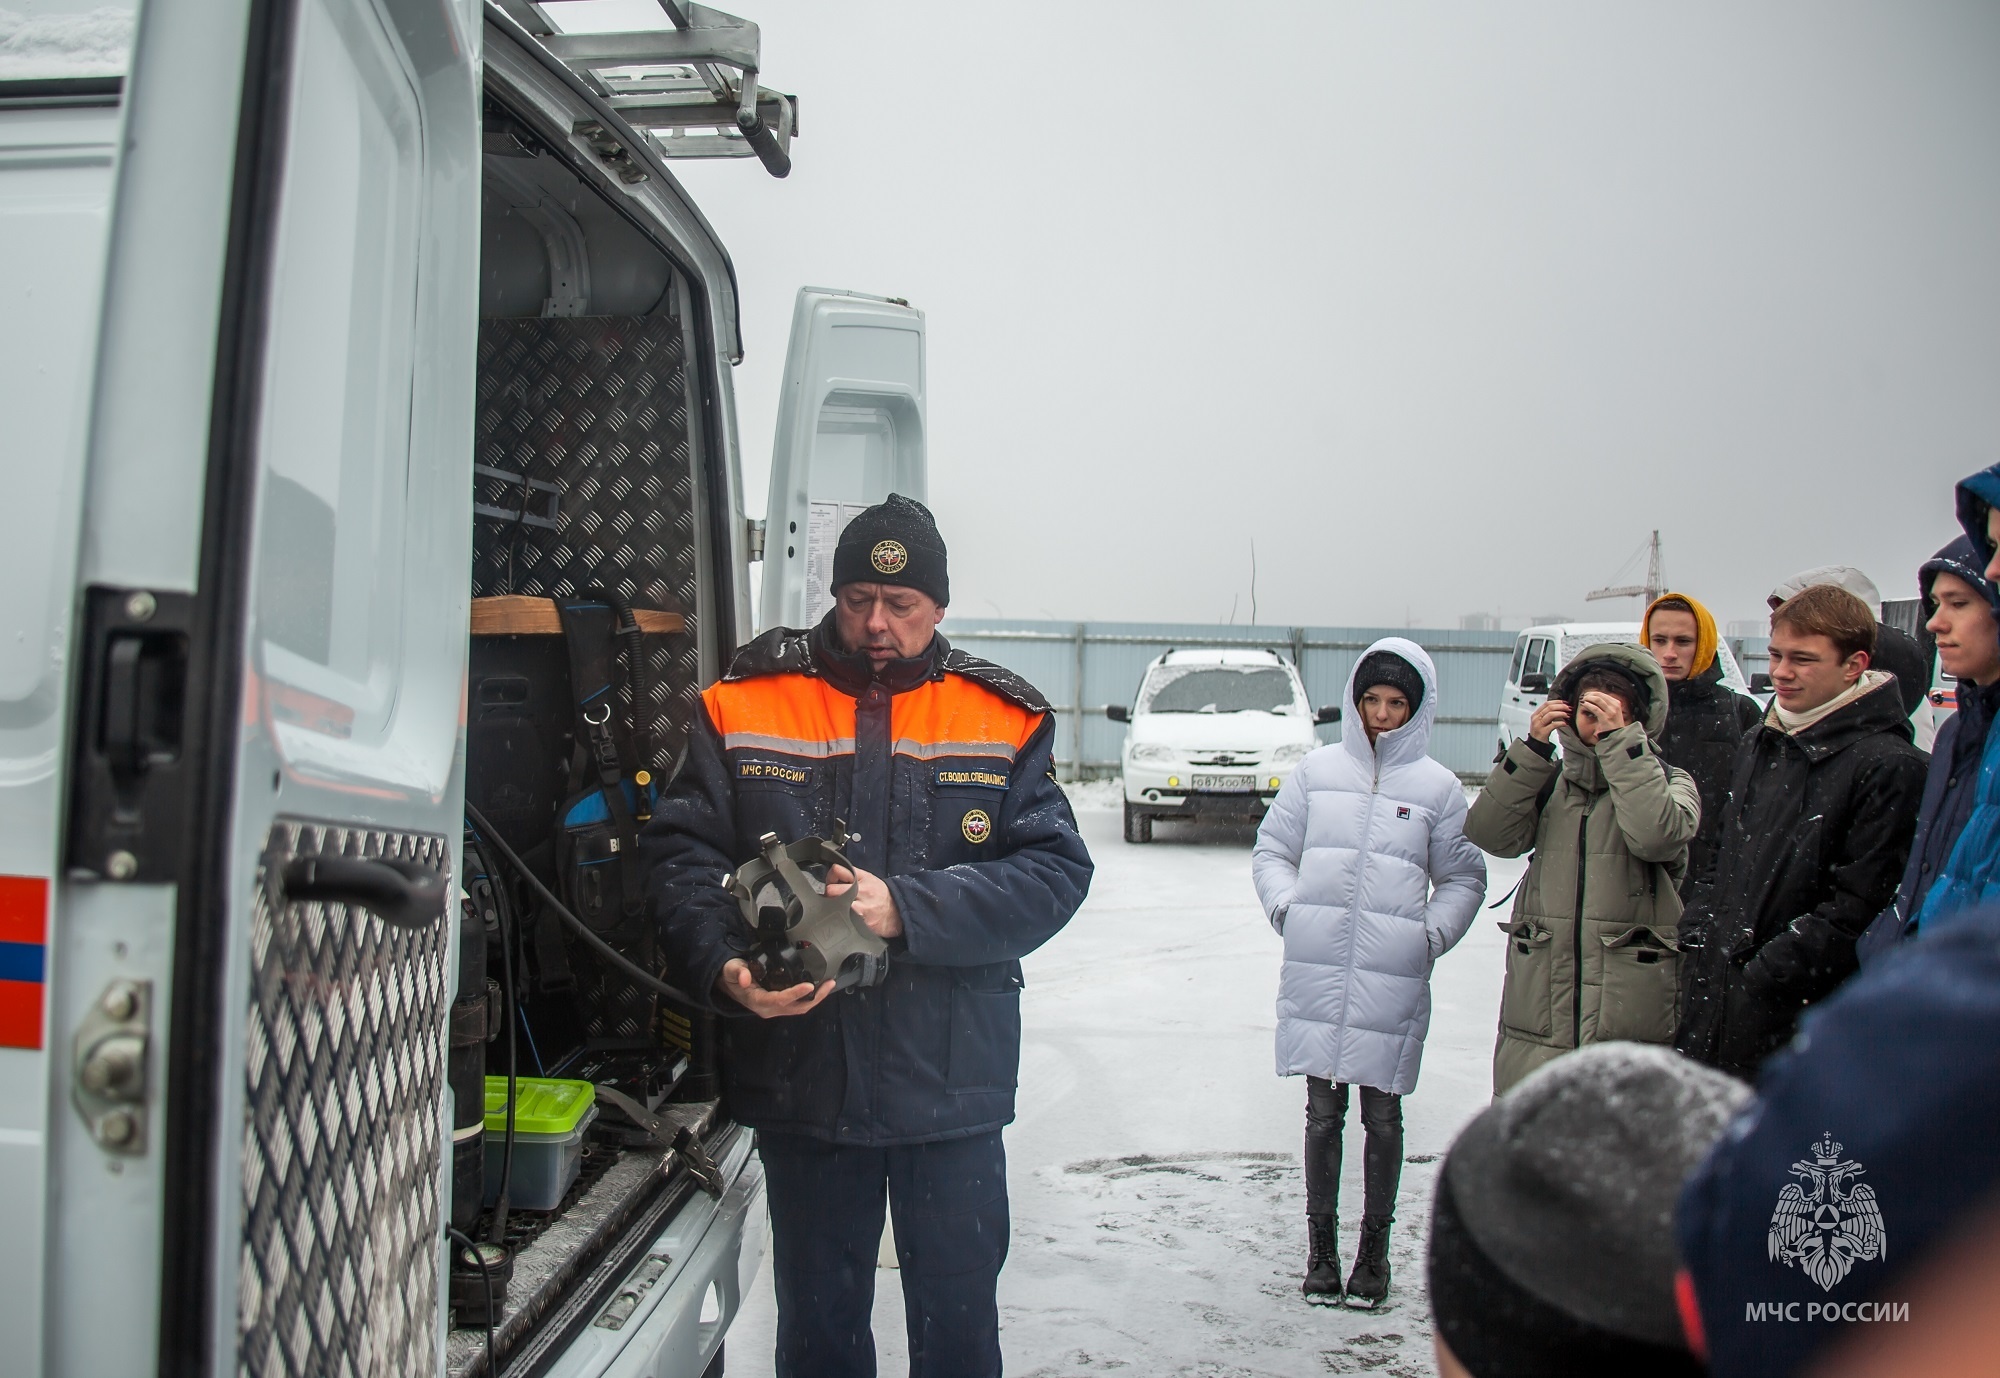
[1541,653]
[1213,733]
[367,393]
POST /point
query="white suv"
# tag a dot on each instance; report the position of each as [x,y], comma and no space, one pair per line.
[1213,733]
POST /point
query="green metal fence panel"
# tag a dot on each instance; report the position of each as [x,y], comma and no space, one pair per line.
[1093,664]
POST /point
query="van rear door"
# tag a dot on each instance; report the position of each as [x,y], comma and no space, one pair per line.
[59,135]
[850,432]
[266,783]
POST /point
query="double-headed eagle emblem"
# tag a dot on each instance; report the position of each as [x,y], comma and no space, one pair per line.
[1826,1222]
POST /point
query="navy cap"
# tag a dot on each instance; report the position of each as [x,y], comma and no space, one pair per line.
[1963,559]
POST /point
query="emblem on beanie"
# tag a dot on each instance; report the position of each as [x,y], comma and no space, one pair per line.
[977,827]
[888,557]
[1826,1222]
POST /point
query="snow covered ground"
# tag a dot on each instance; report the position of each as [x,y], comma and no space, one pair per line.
[1154,1168]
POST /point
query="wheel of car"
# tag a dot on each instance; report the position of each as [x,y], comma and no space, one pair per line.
[1138,826]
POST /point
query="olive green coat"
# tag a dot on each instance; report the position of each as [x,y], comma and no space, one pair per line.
[1592,947]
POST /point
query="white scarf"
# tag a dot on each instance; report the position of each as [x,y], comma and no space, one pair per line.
[1795,723]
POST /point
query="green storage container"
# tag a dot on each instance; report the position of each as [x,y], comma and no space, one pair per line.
[550,1117]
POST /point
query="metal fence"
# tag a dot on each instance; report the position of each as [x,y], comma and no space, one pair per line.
[1099,663]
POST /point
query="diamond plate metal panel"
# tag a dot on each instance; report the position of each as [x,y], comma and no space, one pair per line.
[596,405]
[345,1066]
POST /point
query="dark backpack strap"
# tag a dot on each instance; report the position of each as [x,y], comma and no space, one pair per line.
[589,628]
[1547,792]
[1542,797]
[639,731]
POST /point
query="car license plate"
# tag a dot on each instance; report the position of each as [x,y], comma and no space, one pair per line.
[1225,784]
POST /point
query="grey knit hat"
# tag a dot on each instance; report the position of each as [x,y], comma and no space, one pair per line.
[1552,1246]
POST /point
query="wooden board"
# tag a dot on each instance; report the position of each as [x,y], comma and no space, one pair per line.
[515,614]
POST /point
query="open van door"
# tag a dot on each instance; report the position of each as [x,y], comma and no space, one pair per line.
[250,941]
[59,135]
[850,432]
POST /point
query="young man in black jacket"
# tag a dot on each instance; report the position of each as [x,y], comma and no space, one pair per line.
[1706,719]
[1823,800]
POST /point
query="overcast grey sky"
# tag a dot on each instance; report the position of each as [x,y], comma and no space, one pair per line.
[1444,305]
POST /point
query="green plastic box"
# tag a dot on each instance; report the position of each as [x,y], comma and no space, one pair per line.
[550,1118]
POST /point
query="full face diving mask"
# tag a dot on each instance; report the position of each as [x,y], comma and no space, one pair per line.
[800,932]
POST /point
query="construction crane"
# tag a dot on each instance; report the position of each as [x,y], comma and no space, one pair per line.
[1655,583]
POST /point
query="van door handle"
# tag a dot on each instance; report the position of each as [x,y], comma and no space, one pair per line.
[404,894]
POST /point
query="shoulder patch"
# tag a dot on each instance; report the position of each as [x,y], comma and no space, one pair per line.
[997,678]
[960,777]
[779,651]
[787,773]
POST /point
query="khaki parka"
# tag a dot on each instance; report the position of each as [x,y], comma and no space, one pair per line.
[1593,945]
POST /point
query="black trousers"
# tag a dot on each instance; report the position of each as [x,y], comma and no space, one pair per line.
[950,1206]
[1381,1152]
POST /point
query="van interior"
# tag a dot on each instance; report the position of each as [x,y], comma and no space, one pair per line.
[585,662]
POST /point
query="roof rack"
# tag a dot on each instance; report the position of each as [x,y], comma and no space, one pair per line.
[692,88]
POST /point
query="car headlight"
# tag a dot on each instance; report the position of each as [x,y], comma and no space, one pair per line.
[1290,755]
[1152,751]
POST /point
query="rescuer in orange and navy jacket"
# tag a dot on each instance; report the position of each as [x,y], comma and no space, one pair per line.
[968,859]
[941,766]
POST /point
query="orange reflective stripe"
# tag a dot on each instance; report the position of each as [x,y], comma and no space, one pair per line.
[799,715]
[793,714]
[956,716]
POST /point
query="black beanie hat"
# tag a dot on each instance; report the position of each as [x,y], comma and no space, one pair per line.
[1552,1245]
[894,542]
[1386,667]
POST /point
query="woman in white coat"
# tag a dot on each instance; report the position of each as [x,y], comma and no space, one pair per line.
[1362,865]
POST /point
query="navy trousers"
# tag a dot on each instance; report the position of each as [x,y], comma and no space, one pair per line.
[949,1200]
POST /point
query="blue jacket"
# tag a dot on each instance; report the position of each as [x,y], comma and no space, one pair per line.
[1952,784]
[941,766]
[1972,874]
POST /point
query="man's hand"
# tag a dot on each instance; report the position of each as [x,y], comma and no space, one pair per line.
[872,900]
[739,982]
[1548,718]
[1606,710]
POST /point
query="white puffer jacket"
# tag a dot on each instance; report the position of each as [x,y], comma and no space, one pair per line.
[1362,864]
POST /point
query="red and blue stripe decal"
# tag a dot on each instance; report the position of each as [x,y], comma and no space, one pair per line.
[24,930]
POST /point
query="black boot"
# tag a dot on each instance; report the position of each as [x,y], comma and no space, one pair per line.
[1322,1284]
[1368,1284]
